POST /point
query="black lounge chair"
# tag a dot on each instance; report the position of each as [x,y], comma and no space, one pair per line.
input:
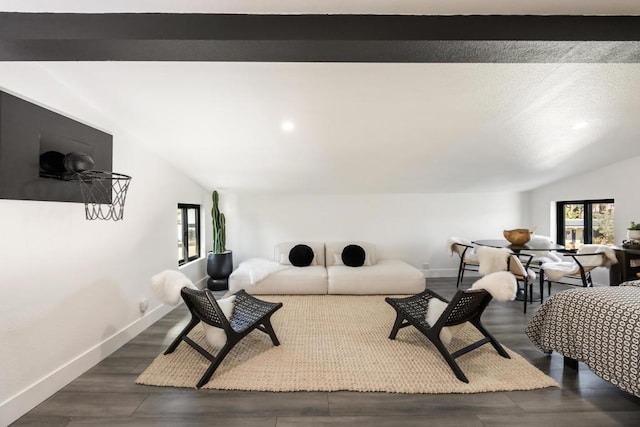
[465,306]
[249,313]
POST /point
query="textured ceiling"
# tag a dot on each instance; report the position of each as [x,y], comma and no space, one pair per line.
[368,127]
[362,127]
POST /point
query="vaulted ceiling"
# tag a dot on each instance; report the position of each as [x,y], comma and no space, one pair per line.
[370,126]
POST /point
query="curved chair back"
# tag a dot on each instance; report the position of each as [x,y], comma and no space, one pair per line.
[466,252]
[459,248]
[517,268]
[464,306]
[202,304]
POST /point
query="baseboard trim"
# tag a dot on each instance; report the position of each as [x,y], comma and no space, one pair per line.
[27,399]
[440,272]
[448,272]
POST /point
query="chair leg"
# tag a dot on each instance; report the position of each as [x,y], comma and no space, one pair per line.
[460,273]
[584,277]
[216,362]
[494,342]
[526,288]
[541,286]
[192,323]
[396,326]
[271,332]
[448,358]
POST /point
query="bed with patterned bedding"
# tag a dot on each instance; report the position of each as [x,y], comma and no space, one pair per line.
[597,326]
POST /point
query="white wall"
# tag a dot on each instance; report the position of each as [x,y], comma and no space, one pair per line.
[412,227]
[70,288]
[616,181]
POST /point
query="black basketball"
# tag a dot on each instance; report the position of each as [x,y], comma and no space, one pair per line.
[78,162]
[52,162]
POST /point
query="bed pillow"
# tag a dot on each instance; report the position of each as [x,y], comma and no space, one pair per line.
[353,256]
[301,255]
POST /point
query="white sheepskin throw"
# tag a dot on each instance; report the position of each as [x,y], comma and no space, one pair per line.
[259,269]
[434,310]
[167,285]
[607,260]
[217,336]
[557,270]
[492,259]
[541,257]
[453,241]
[502,285]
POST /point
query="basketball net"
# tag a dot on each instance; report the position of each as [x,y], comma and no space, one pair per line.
[103,193]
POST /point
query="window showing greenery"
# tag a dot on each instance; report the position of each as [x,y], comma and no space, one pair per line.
[585,221]
[188,233]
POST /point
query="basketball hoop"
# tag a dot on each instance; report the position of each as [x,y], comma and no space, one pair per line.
[103,193]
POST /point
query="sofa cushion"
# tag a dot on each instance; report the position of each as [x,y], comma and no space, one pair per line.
[337,259]
[335,248]
[281,252]
[353,256]
[289,280]
[301,255]
[392,277]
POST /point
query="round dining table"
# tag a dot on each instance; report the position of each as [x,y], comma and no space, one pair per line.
[530,246]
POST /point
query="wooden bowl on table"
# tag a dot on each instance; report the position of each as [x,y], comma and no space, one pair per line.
[517,236]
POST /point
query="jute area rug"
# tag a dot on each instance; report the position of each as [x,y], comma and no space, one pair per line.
[334,342]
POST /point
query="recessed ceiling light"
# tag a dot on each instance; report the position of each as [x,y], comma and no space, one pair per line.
[580,125]
[287,126]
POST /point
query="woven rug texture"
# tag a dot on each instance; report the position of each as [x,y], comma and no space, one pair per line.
[336,342]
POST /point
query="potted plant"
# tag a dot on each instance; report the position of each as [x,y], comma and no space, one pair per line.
[219,260]
[633,231]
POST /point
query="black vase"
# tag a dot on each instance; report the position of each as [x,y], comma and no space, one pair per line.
[219,268]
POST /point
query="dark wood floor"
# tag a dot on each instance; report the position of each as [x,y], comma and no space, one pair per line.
[107,394]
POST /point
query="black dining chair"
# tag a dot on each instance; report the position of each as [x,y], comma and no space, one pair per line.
[579,275]
[519,264]
[468,259]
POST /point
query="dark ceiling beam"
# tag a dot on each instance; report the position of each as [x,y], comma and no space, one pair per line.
[318,38]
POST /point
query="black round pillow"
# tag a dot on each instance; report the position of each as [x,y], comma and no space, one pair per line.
[301,255]
[353,255]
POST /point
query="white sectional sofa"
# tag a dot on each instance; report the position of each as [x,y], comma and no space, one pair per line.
[311,280]
[384,276]
[327,274]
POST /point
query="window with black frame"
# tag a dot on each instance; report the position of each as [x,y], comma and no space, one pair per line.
[582,222]
[188,222]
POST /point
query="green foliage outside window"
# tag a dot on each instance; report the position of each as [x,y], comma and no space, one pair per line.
[597,215]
